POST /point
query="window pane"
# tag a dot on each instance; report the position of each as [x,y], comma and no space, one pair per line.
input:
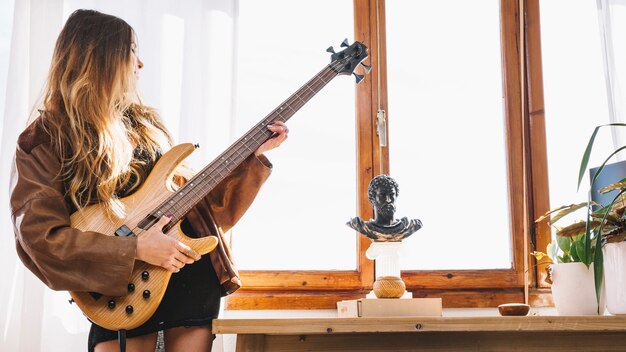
[298,220]
[447,132]
[574,94]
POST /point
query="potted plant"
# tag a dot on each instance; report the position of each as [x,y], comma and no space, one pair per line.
[614,258]
[571,272]
[611,261]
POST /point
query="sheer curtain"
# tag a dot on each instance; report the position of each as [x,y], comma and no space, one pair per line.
[612,20]
[188,52]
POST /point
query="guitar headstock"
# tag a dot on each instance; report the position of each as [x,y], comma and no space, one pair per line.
[346,61]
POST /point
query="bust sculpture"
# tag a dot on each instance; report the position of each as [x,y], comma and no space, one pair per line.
[382,193]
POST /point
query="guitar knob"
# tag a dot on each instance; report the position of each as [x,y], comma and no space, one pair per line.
[345,43]
[330,50]
[129,309]
[145,275]
[111,304]
[146,294]
[131,287]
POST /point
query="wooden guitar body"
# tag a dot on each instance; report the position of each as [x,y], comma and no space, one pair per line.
[147,290]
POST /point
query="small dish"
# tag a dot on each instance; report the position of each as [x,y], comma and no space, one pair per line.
[514,309]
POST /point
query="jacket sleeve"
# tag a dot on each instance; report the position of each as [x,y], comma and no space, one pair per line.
[230,199]
[63,257]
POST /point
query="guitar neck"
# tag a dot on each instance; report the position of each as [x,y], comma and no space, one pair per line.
[198,187]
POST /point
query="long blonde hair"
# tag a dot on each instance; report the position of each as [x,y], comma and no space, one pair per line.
[93,113]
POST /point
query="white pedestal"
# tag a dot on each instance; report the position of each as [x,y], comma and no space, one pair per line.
[387,257]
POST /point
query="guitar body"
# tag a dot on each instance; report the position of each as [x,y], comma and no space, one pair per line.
[154,191]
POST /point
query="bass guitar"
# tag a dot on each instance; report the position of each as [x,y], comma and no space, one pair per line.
[156,198]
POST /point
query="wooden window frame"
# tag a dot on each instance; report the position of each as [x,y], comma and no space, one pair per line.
[527,183]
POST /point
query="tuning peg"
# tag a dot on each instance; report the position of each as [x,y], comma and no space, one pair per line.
[366,68]
[345,43]
[330,50]
[359,78]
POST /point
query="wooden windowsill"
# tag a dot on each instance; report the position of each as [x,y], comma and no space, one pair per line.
[453,319]
[457,329]
[296,326]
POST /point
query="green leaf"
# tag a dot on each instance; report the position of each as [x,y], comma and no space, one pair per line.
[564,243]
[598,268]
[564,259]
[574,254]
[579,249]
[585,160]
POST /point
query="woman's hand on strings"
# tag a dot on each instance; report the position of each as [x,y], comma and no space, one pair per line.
[156,248]
[280,131]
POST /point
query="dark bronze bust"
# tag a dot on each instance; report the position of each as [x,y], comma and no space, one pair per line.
[382,193]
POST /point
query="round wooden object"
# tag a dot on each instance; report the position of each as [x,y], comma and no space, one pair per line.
[513,309]
[389,287]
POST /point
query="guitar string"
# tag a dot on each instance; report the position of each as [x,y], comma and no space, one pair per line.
[259,130]
[232,157]
[212,175]
[229,158]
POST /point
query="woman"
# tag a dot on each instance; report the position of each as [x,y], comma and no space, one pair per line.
[95,142]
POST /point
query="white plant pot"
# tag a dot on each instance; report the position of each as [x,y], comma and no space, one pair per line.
[615,277]
[573,289]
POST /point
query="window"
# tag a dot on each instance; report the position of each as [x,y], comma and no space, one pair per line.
[445,103]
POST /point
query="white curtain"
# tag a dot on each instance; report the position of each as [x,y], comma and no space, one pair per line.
[188,52]
[612,20]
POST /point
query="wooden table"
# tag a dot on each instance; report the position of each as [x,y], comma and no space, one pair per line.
[492,333]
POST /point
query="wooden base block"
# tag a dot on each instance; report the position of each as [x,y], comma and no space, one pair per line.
[390,307]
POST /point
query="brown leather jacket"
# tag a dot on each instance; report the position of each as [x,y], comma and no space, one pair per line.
[65,258]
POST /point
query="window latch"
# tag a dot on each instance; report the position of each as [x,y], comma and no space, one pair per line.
[381,127]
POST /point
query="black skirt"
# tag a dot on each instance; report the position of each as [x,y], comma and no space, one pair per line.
[192,298]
